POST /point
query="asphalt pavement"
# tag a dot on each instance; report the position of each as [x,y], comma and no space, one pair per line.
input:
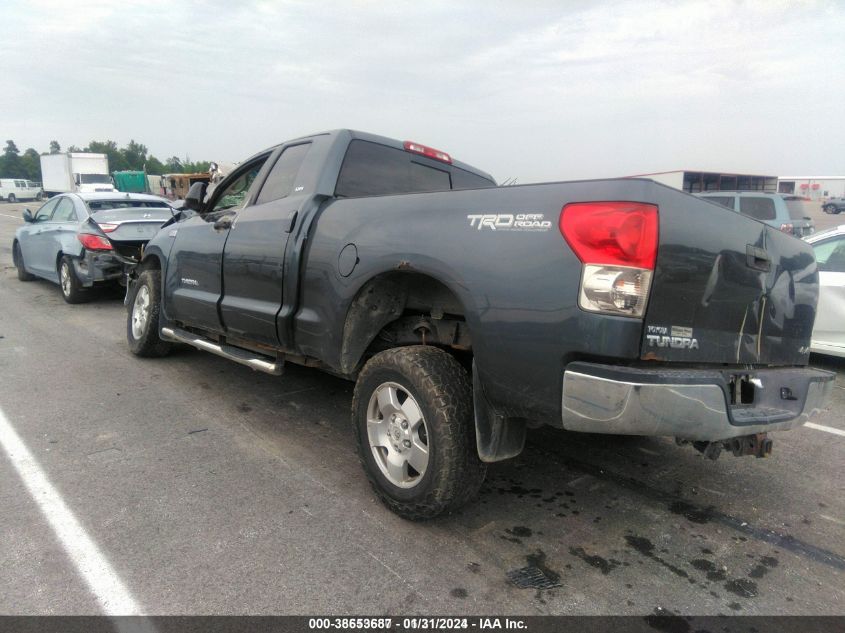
[192,485]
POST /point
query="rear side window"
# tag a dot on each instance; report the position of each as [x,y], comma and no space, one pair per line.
[371,169]
[280,180]
[798,209]
[757,208]
[723,201]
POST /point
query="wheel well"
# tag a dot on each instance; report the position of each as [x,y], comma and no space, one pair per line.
[402,308]
[150,262]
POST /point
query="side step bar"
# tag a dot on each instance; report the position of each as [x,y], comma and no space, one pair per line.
[237,354]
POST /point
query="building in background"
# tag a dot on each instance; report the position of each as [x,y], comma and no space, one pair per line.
[697,181]
[813,187]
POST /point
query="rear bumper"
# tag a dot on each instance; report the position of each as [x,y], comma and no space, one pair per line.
[692,404]
[98,266]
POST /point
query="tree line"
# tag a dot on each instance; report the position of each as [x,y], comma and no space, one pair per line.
[134,156]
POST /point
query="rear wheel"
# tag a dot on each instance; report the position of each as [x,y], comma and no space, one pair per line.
[143,319]
[12,198]
[72,289]
[17,257]
[412,413]
[830,209]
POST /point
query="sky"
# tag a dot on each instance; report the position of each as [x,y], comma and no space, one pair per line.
[526,90]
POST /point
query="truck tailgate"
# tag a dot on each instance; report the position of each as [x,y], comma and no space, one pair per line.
[728,289]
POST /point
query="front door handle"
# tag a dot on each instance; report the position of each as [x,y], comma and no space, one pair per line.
[757,258]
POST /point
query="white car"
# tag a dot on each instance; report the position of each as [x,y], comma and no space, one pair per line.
[829,329]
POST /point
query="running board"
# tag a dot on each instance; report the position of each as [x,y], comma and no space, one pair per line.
[237,354]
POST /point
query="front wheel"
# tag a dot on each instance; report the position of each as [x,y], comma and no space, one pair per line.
[143,318]
[412,414]
[830,209]
[72,289]
[17,258]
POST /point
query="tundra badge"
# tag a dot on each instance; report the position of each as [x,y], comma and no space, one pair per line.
[678,337]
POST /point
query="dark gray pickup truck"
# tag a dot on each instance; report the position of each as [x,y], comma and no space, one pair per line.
[467,312]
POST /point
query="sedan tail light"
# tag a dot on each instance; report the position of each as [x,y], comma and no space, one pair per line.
[786,227]
[94,242]
[617,243]
[106,227]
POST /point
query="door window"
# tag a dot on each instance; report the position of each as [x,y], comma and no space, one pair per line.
[43,214]
[723,201]
[234,195]
[280,180]
[64,211]
[830,255]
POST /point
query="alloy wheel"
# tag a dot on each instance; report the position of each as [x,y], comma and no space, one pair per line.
[140,312]
[398,435]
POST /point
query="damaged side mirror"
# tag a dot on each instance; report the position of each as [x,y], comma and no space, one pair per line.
[196,194]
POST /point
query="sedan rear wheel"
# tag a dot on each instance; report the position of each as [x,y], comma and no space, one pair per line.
[72,289]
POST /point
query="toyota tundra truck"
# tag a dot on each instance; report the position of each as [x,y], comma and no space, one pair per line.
[467,313]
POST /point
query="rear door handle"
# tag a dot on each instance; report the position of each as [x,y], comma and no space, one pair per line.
[757,258]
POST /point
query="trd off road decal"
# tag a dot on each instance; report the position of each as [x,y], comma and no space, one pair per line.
[509,222]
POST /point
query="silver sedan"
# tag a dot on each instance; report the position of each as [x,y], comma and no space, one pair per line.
[77,239]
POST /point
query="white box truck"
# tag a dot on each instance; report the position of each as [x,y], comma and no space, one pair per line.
[79,172]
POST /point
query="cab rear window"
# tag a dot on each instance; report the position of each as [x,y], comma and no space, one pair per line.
[372,169]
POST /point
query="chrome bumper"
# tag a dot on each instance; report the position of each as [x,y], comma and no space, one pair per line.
[688,404]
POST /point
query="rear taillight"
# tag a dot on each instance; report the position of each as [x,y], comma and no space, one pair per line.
[108,228]
[430,152]
[786,227]
[94,242]
[617,243]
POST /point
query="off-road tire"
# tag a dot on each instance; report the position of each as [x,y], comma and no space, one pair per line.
[17,257]
[148,344]
[442,388]
[73,291]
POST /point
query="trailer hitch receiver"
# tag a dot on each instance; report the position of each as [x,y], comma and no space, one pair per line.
[758,445]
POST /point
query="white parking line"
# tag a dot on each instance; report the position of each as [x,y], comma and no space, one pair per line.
[14,217]
[89,561]
[826,429]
